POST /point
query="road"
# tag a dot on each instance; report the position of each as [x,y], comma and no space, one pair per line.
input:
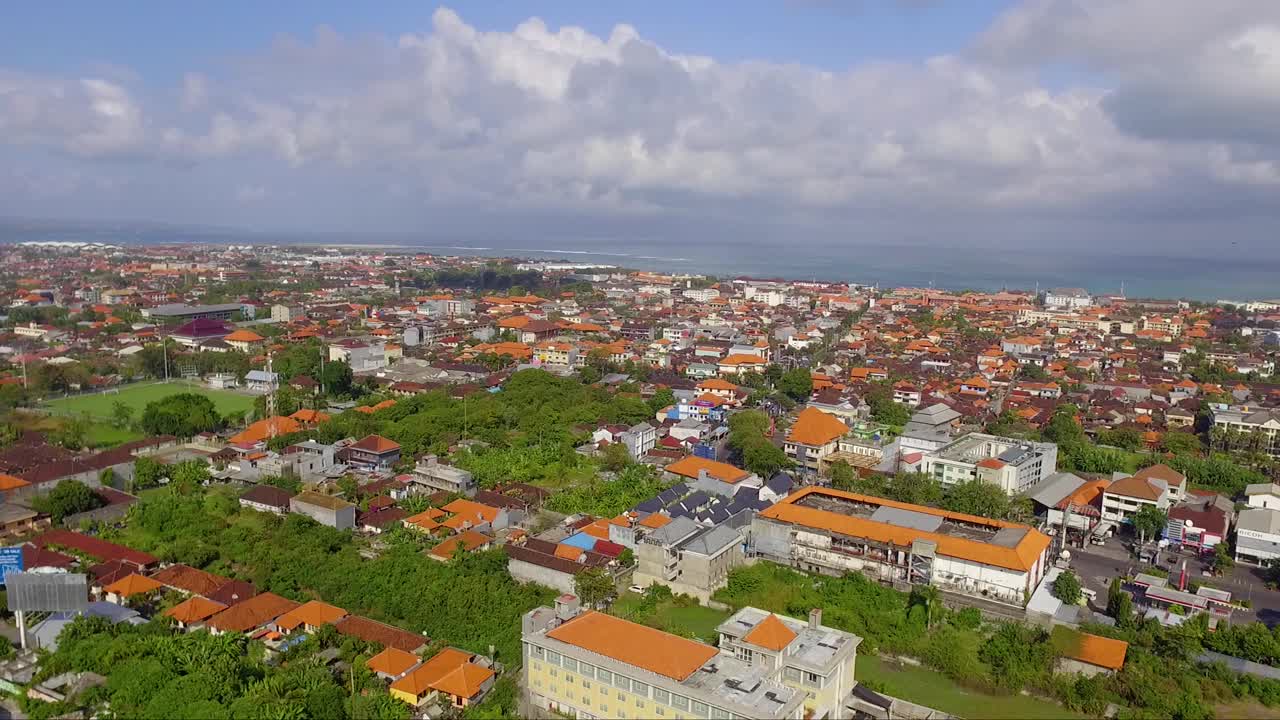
[1097,565]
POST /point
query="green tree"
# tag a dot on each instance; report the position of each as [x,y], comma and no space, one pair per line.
[69,497]
[1222,559]
[594,587]
[1180,443]
[147,473]
[1149,522]
[182,415]
[977,497]
[796,383]
[842,475]
[764,458]
[337,378]
[1067,588]
[121,413]
[615,457]
[915,488]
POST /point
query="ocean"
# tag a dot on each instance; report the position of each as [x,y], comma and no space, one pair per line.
[1221,275]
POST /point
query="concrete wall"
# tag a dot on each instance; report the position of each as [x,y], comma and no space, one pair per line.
[525,572]
[342,519]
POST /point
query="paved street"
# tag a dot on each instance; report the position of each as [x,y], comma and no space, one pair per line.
[1097,565]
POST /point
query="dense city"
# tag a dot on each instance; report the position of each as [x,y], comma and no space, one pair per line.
[312,482]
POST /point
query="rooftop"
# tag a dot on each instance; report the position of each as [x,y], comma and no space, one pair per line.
[658,652]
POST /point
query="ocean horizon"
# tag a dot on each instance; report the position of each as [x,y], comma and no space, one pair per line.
[1136,274]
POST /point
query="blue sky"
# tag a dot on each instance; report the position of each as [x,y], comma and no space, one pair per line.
[161,38]
[1104,122]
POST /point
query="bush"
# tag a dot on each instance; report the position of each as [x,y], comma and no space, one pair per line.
[1067,588]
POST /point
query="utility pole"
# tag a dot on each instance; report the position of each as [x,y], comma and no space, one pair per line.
[164,350]
[271,402]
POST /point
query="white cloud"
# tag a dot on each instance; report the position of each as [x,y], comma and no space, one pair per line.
[560,118]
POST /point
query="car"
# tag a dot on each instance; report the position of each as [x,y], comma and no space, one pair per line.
[636,589]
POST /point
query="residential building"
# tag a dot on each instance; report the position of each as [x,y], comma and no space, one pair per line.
[813,436]
[462,678]
[324,509]
[180,312]
[1085,654]
[1263,495]
[1200,521]
[833,532]
[929,429]
[688,557]
[373,452]
[1158,486]
[712,476]
[361,356]
[266,498]
[639,439]
[436,476]
[1011,464]
[1248,420]
[261,381]
[287,313]
[590,664]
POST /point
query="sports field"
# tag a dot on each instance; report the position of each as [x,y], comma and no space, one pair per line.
[99,405]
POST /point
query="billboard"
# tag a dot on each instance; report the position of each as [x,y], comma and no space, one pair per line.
[10,561]
[47,592]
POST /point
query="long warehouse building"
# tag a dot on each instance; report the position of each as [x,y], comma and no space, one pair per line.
[833,532]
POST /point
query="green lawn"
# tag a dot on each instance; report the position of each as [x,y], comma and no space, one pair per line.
[932,688]
[103,435]
[99,405]
[695,620]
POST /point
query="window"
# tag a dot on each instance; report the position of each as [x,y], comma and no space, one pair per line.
[622,696]
[537,683]
[570,664]
[657,710]
[640,704]
[662,696]
[555,673]
[586,671]
[700,709]
[791,674]
[603,675]
[813,679]
[679,702]
[586,684]
[743,654]
[553,657]
[622,683]
[537,665]
[568,678]
[639,688]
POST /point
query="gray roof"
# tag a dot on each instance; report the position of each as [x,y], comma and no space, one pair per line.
[1262,489]
[906,518]
[1056,487]
[673,532]
[935,414]
[712,541]
[1259,520]
[260,375]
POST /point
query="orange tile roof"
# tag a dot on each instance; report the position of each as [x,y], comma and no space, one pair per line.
[469,511]
[449,671]
[716,384]
[9,482]
[1091,649]
[312,613]
[693,465]
[195,609]
[466,680]
[655,521]
[192,580]
[392,661]
[770,634]
[133,584]
[309,416]
[376,443]
[568,552]
[1021,557]
[815,428]
[741,359]
[468,540]
[658,652]
[254,612]
[261,430]
[242,335]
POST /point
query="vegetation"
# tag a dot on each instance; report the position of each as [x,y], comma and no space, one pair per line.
[1067,588]
[748,438]
[101,405]
[182,415]
[69,497]
[677,614]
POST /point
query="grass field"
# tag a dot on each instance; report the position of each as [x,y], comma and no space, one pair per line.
[99,405]
[695,620]
[932,688]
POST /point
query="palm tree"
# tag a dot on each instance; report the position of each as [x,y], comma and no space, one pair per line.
[930,598]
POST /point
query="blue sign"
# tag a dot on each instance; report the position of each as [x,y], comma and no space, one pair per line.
[10,560]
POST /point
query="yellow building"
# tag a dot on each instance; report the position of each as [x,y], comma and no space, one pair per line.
[592,665]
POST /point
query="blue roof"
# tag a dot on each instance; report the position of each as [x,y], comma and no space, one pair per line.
[580,540]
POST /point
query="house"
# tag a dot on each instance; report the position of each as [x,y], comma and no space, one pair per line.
[740,364]
[712,476]
[1084,654]
[1200,521]
[261,381]
[436,476]
[392,663]
[1158,486]
[465,542]
[373,452]
[244,340]
[372,631]
[454,674]
[194,611]
[324,509]
[555,565]
[266,498]
[639,439]
[265,429]
[310,616]
[688,557]
[251,614]
[814,435]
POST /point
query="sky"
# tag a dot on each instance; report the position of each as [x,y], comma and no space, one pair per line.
[1105,124]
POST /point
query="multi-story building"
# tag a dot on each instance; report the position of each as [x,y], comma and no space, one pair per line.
[282,313]
[361,356]
[179,312]
[688,557]
[1011,464]
[813,436]
[324,509]
[436,476]
[588,664]
[639,439]
[1249,420]
[1258,536]
[833,532]
[1158,486]
[1068,297]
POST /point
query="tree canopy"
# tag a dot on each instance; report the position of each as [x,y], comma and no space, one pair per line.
[182,415]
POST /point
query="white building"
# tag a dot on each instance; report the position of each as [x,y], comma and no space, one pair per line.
[1013,465]
[1258,536]
[1158,486]
[1068,298]
[1248,420]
